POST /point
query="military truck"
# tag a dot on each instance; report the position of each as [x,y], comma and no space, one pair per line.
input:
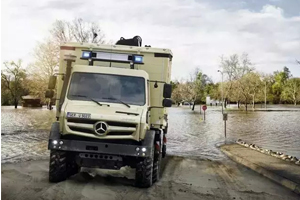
[110,109]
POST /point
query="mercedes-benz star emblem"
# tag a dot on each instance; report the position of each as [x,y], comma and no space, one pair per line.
[100,128]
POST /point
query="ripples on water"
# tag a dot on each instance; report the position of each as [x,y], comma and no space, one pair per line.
[25,132]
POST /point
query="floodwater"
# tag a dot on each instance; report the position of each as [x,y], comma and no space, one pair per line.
[25,131]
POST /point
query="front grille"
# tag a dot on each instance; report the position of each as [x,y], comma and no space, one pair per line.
[83,130]
[87,126]
[120,133]
[110,123]
[88,139]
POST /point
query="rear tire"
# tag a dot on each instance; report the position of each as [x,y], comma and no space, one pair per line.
[164,151]
[156,169]
[157,157]
[143,175]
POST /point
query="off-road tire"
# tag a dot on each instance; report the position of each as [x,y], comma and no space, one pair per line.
[156,169]
[58,169]
[143,174]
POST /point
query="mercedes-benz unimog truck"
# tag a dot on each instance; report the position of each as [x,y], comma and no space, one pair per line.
[110,109]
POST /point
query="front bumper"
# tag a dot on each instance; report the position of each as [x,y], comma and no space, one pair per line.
[144,150]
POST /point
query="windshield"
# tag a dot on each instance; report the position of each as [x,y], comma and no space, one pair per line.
[107,88]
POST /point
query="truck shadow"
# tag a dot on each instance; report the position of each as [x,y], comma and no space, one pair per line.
[123,177]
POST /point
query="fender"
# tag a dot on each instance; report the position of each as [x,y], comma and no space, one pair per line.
[54,132]
[149,141]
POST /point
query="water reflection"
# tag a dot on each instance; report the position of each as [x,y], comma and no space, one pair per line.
[277,129]
[25,132]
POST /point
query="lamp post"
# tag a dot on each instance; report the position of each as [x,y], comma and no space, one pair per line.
[221,88]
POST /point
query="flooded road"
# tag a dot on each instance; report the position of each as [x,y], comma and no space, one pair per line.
[25,132]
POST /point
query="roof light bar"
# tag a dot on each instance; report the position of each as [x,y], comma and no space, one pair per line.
[112,57]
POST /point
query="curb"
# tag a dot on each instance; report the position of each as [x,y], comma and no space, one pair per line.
[278,179]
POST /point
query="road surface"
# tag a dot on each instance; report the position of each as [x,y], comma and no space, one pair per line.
[182,178]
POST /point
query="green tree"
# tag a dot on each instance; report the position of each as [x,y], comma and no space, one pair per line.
[215,91]
[245,89]
[256,86]
[278,86]
[291,90]
[196,85]
[13,79]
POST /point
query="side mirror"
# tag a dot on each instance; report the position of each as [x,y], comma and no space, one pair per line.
[52,82]
[167,103]
[167,90]
[49,94]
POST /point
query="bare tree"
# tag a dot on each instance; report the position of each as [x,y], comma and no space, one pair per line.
[77,31]
[13,78]
[46,56]
[47,53]
[178,93]
[234,68]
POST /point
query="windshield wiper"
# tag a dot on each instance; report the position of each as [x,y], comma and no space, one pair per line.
[78,95]
[115,99]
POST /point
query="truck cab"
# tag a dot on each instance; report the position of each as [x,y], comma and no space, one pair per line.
[111,110]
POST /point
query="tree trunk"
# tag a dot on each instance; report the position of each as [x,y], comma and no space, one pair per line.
[225,102]
[246,106]
[16,103]
[238,104]
[253,103]
[193,106]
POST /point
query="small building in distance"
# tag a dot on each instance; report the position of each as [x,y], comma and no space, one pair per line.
[212,102]
[31,101]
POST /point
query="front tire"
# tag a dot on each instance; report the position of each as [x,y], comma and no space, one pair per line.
[58,166]
[62,165]
[143,175]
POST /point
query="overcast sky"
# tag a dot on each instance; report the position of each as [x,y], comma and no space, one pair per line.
[198,32]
